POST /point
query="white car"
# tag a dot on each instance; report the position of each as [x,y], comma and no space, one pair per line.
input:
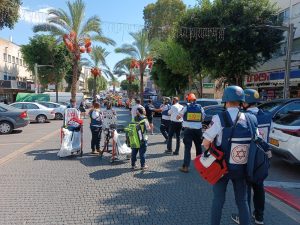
[57,108]
[36,112]
[285,136]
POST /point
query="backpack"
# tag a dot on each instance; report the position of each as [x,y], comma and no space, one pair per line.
[258,162]
[135,134]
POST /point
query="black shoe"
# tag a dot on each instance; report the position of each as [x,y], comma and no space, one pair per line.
[169,152]
[175,153]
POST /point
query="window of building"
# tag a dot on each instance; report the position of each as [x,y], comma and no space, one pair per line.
[284,15]
[5,76]
[13,78]
[17,61]
[9,58]
[13,59]
[5,57]
[296,10]
[21,62]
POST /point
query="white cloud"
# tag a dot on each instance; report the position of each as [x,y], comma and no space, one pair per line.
[34,17]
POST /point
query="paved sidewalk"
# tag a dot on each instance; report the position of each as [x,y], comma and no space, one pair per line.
[39,188]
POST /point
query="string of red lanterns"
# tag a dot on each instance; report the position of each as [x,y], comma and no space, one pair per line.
[96,72]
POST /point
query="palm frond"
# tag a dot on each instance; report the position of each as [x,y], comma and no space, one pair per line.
[102,39]
[91,25]
[45,27]
[128,50]
[123,63]
[77,10]
[61,14]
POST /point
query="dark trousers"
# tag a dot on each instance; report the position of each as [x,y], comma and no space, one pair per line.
[258,199]
[164,128]
[142,150]
[96,137]
[190,136]
[240,193]
[175,127]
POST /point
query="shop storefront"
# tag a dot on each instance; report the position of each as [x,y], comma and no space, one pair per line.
[10,88]
[270,84]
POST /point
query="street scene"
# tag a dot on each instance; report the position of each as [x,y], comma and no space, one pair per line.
[150,112]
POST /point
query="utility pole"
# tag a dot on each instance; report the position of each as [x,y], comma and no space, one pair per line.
[36,78]
[290,38]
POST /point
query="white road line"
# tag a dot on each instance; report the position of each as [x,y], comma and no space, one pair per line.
[279,184]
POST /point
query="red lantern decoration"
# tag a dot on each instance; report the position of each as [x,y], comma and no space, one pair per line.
[134,64]
[87,42]
[82,49]
[88,49]
[96,72]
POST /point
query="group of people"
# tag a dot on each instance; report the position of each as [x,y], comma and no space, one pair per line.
[229,132]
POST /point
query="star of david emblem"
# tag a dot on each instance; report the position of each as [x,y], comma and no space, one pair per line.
[241,154]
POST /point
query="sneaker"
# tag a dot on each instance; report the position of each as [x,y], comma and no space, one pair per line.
[257,221]
[169,152]
[134,167]
[235,218]
[184,169]
[94,152]
[175,153]
[144,167]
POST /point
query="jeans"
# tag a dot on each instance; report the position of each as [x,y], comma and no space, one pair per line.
[190,136]
[142,151]
[258,200]
[175,127]
[164,128]
[240,193]
[96,137]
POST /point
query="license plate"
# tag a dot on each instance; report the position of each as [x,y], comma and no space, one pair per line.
[274,142]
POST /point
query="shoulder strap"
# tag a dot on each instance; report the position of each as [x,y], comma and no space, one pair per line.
[235,123]
[227,121]
[251,126]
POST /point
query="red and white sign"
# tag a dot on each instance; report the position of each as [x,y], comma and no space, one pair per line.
[257,78]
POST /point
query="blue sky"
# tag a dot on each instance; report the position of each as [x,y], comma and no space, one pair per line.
[115,11]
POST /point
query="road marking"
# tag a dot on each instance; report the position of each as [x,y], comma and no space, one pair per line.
[25,148]
[282,207]
[280,184]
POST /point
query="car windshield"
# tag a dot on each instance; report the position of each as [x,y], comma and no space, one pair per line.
[290,119]
[270,106]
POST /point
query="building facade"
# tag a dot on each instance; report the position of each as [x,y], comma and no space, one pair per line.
[268,78]
[14,76]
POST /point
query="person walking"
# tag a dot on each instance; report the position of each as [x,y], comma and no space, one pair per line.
[82,109]
[135,107]
[165,118]
[230,134]
[175,126]
[109,116]
[142,120]
[264,124]
[96,127]
[193,115]
[149,107]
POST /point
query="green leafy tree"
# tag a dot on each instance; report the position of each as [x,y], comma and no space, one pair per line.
[114,82]
[101,84]
[139,51]
[160,17]
[43,50]
[62,23]
[246,43]
[130,86]
[9,13]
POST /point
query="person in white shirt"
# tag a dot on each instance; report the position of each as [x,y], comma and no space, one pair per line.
[109,116]
[135,107]
[165,118]
[175,126]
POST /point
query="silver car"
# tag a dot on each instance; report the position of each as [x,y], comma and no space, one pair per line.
[58,109]
[36,112]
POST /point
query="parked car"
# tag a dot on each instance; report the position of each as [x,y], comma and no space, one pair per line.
[210,111]
[285,136]
[12,118]
[208,101]
[281,106]
[183,103]
[36,111]
[58,109]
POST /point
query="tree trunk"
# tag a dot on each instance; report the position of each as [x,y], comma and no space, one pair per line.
[95,91]
[56,92]
[74,79]
[142,82]
[201,86]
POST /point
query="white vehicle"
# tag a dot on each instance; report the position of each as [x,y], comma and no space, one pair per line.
[285,136]
[36,112]
[64,97]
[57,108]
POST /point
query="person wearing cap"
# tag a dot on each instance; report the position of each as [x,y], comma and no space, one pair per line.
[175,126]
[149,107]
[135,107]
[72,104]
[96,127]
[142,120]
[264,124]
[230,134]
[165,118]
[192,115]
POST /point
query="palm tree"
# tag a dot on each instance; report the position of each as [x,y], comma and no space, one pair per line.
[61,23]
[98,56]
[114,82]
[139,51]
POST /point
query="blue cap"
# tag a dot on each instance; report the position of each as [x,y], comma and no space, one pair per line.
[233,94]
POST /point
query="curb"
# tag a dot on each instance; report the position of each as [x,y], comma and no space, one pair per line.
[284,196]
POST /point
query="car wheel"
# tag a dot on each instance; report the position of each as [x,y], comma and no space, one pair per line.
[5,127]
[59,116]
[41,118]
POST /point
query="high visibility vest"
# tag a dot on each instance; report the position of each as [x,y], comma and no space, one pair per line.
[193,113]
